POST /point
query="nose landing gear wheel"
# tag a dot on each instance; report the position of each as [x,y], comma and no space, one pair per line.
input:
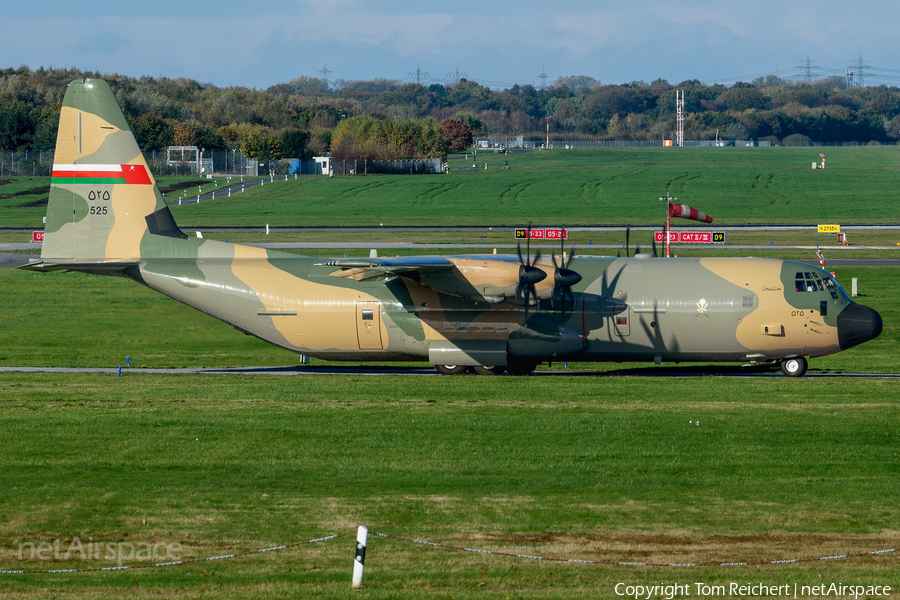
[794,367]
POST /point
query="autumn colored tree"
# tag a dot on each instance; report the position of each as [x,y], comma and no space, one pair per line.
[458,134]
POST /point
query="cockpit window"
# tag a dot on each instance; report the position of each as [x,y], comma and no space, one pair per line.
[808,282]
[812,282]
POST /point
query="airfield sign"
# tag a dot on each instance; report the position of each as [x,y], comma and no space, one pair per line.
[691,237]
[538,233]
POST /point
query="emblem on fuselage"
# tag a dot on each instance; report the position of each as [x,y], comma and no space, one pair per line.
[702,305]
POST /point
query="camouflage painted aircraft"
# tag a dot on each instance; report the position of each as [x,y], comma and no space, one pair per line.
[483,313]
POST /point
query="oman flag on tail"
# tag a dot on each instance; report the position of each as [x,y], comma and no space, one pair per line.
[686,212]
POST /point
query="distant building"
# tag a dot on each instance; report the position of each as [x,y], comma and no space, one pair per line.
[324,165]
[515,141]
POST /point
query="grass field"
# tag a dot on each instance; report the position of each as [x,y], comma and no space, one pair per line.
[573,187]
[605,468]
[591,186]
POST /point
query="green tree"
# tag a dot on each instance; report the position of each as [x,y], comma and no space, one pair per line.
[16,129]
[471,120]
[262,144]
[294,143]
[152,132]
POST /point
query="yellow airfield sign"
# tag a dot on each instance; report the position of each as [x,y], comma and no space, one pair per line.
[829,228]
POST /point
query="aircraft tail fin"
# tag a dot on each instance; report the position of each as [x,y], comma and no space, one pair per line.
[105,206]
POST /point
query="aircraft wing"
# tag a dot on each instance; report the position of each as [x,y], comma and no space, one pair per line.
[362,269]
[490,279]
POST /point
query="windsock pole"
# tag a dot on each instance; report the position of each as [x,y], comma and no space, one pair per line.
[668,200]
[668,239]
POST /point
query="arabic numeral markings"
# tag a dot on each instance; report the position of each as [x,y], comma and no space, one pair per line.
[797,313]
[99,195]
[98,210]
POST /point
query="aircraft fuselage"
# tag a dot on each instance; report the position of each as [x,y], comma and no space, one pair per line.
[624,309]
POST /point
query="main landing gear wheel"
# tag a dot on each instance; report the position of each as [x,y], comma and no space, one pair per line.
[488,370]
[450,369]
[794,367]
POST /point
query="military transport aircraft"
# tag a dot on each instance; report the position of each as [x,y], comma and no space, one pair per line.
[484,313]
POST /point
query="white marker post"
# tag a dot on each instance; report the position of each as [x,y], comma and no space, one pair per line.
[362,535]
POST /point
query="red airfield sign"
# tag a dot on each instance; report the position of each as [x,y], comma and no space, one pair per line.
[691,237]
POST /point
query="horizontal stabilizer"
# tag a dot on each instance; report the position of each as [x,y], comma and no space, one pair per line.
[104,267]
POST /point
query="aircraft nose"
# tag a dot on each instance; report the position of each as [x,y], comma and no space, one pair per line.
[857,324]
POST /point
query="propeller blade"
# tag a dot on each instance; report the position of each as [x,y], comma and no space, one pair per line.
[627,239]
[563,278]
[528,246]
[527,296]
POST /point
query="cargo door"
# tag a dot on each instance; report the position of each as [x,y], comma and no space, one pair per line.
[368,325]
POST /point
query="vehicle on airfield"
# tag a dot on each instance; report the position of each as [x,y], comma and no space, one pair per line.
[486,313]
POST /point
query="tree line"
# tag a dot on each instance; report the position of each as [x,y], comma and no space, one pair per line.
[386,119]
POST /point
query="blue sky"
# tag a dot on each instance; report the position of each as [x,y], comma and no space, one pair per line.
[494,42]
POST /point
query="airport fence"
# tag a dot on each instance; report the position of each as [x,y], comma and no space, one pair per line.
[224,162]
[355,166]
[219,162]
[693,143]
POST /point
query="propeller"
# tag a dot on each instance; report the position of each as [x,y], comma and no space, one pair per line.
[529,275]
[563,277]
